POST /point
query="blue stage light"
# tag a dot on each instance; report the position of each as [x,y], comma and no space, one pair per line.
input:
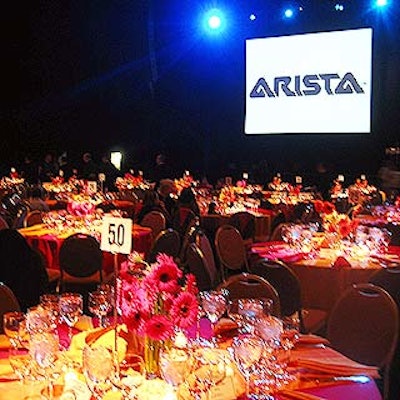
[381,3]
[288,13]
[252,17]
[214,21]
[339,7]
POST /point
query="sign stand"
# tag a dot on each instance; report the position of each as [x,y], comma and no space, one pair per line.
[116,238]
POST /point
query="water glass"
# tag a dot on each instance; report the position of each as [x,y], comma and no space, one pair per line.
[71,308]
[100,304]
[98,369]
[214,304]
[14,325]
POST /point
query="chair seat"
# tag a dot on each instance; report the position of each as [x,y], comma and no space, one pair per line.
[314,320]
[53,274]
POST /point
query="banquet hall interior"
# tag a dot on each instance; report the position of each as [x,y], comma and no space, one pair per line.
[200,200]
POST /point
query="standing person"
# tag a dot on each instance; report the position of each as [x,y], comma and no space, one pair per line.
[88,169]
[161,170]
[110,171]
[48,169]
[29,170]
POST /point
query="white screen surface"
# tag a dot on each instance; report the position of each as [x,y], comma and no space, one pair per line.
[309,83]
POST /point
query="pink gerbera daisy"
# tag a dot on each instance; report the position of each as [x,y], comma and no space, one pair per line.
[184,310]
[165,275]
[158,327]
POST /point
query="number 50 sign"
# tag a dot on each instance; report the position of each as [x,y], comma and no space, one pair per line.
[116,235]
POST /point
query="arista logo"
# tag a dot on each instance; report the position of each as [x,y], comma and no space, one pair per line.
[308,85]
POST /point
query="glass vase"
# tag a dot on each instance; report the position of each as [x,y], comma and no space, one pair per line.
[152,357]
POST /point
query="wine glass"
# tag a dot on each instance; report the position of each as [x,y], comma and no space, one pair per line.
[246,351]
[99,304]
[44,348]
[129,375]
[175,365]
[214,304]
[14,325]
[71,308]
[51,303]
[98,369]
[211,369]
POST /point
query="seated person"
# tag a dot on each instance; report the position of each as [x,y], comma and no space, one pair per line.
[151,202]
[36,202]
[22,269]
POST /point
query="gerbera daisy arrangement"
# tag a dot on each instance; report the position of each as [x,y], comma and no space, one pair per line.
[155,299]
[334,222]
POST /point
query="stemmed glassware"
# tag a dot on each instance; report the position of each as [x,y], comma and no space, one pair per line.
[211,369]
[99,370]
[14,325]
[71,308]
[246,350]
[44,348]
[129,375]
[100,304]
[214,304]
[175,365]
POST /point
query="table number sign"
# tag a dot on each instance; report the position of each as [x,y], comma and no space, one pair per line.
[92,186]
[116,235]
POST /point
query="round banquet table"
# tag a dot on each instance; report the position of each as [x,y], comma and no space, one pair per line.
[262,222]
[321,282]
[48,242]
[364,388]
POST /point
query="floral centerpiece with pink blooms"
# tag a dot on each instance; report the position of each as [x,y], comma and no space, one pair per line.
[81,206]
[155,300]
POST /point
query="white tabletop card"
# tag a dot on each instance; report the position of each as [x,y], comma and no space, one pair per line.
[116,235]
[92,186]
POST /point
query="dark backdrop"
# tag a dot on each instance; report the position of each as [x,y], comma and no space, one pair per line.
[141,76]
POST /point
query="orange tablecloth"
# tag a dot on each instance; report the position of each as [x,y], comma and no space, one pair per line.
[321,284]
[48,242]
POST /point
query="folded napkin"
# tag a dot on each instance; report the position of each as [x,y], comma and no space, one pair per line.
[5,368]
[225,326]
[341,262]
[311,340]
[4,342]
[84,323]
[106,339]
[338,367]
[296,395]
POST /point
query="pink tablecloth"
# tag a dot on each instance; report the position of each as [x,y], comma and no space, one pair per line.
[49,245]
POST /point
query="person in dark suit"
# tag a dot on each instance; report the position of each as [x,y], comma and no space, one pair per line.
[22,269]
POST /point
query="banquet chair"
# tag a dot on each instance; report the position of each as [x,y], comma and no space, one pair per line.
[245,223]
[204,244]
[156,221]
[3,223]
[231,251]
[364,326]
[206,275]
[8,302]
[167,242]
[249,286]
[286,283]
[81,263]
[389,279]
[33,218]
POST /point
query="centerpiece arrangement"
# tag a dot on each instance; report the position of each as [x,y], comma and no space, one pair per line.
[154,302]
[335,224]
